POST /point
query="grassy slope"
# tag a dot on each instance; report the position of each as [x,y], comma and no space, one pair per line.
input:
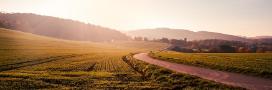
[36,62]
[257,64]
[16,45]
[41,62]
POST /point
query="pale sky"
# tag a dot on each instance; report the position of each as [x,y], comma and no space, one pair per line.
[237,17]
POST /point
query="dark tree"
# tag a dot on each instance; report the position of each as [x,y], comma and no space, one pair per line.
[227,49]
[145,39]
[138,38]
[164,40]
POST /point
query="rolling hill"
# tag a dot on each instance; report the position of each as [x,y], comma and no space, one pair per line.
[29,61]
[58,28]
[17,46]
[261,37]
[181,34]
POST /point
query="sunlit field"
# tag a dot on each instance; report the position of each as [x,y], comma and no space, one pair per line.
[135,45]
[34,62]
[256,64]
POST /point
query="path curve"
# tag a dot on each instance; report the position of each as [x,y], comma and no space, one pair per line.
[234,79]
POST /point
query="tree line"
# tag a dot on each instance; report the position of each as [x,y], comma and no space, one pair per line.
[215,45]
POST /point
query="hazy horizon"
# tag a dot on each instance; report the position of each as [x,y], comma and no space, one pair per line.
[236,17]
[136,44]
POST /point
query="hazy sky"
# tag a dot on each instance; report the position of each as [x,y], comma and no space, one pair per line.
[237,17]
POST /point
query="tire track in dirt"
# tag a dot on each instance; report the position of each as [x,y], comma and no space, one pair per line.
[36,62]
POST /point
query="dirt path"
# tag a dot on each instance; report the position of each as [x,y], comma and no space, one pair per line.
[234,79]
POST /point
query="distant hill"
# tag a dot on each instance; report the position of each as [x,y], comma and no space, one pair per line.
[260,37]
[58,28]
[181,34]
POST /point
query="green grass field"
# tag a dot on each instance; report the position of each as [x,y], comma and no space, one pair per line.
[29,61]
[256,64]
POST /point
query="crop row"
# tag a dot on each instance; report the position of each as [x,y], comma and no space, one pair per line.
[88,62]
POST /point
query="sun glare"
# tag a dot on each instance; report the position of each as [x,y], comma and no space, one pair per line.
[136,44]
[60,8]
